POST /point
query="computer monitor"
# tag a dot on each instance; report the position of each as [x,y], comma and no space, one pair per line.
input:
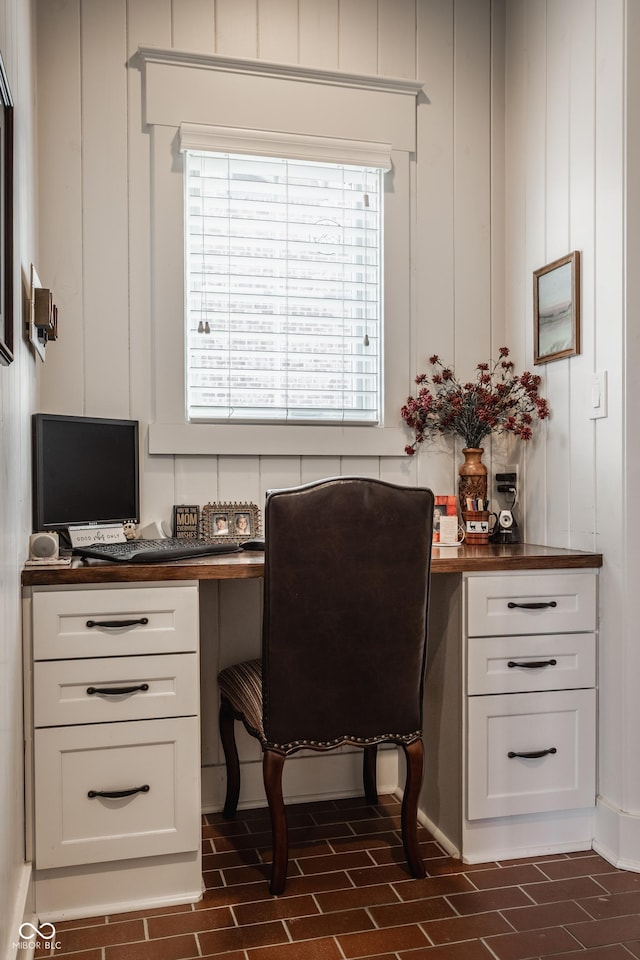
[85,470]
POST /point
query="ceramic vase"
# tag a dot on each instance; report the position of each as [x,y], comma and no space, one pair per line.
[473,477]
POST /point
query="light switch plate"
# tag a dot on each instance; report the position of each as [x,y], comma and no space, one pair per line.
[598,397]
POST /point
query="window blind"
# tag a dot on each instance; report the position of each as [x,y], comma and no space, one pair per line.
[283,289]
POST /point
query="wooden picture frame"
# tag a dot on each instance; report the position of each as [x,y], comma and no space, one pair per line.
[234,522]
[6,219]
[556,309]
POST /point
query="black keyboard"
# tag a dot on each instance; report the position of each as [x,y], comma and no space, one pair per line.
[154,551]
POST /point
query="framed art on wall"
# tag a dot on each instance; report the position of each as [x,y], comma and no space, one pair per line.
[6,218]
[556,309]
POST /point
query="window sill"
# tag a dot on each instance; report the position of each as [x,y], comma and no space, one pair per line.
[208,439]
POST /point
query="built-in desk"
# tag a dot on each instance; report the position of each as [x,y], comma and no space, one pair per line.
[113,718]
[246,566]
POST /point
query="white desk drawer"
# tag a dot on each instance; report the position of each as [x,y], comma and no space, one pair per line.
[115,688]
[558,726]
[160,756]
[520,664]
[536,603]
[104,622]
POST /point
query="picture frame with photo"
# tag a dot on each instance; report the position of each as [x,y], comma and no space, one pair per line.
[556,309]
[235,522]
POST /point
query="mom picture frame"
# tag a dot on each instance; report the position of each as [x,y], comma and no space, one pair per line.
[556,309]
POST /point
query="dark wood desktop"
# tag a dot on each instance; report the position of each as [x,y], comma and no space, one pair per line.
[249,566]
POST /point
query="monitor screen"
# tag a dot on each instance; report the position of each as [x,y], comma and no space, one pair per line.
[85,470]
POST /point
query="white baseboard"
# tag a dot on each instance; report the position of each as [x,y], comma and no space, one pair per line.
[617,836]
[449,848]
[22,910]
[306,777]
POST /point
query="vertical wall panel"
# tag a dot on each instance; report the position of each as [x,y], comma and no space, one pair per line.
[558,375]
[616,492]
[237,28]
[278,30]
[358,36]
[148,22]
[434,267]
[581,178]
[396,38]
[59,261]
[318,31]
[497,173]
[630,561]
[105,208]
[275,473]
[193,25]
[472,156]
[534,59]
[316,468]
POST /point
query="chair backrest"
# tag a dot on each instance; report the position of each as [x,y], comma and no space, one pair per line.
[347,569]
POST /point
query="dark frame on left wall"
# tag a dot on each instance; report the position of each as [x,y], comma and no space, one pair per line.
[6,218]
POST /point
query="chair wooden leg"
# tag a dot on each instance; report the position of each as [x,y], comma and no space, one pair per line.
[414,753]
[272,764]
[369,776]
[228,738]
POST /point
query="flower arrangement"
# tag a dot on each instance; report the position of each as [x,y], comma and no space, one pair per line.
[497,401]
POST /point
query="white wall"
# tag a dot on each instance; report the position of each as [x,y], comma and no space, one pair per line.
[550,78]
[96,224]
[17,401]
[572,151]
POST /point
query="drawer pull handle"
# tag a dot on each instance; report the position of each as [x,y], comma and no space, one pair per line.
[116,794]
[118,623]
[532,756]
[116,691]
[532,663]
[541,605]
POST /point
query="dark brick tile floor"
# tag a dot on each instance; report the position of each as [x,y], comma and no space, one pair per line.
[349,897]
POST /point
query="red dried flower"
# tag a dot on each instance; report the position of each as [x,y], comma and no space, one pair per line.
[497,401]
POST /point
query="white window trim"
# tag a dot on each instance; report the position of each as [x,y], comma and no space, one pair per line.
[183,91]
[286,146]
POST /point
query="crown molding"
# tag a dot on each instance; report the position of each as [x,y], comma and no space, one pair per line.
[284,71]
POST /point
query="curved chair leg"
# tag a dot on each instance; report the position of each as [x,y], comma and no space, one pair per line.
[272,764]
[369,776]
[414,753]
[228,738]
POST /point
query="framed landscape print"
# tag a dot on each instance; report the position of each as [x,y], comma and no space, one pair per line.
[556,309]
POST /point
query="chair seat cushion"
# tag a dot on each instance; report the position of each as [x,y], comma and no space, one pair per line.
[242,686]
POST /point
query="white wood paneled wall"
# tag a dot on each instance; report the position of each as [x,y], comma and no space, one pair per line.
[548,78]
[96,214]
[572,155]
[18,398]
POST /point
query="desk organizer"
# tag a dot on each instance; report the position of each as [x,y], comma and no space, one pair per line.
[476,526]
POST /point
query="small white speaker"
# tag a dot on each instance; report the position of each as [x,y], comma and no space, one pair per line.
[43,546]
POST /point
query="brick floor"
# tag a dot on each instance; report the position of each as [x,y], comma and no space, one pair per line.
[348,897]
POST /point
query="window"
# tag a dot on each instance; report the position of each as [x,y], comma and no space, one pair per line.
[310,120]
[283,276]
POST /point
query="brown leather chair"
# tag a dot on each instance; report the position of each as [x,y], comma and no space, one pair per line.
[346,591]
